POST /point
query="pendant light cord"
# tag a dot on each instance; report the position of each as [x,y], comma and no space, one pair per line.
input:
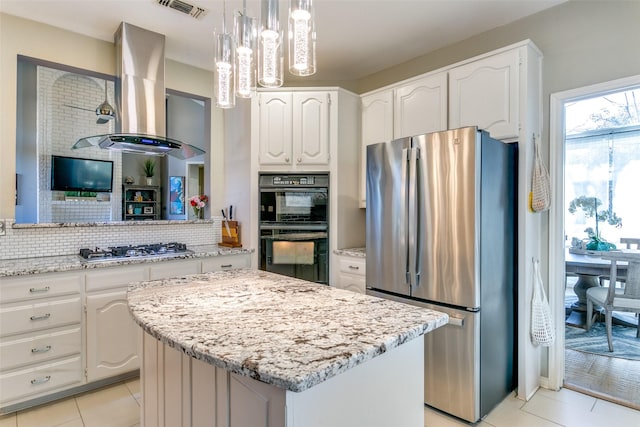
[224,17]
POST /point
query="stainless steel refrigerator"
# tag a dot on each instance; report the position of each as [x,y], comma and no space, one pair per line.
[441,233]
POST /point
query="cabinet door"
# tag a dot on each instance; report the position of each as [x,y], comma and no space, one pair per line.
[310,123]
[377,126]
[112,335]
[421,106]
[484,93]
[275,128]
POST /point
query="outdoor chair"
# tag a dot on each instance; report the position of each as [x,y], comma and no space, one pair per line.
[612,299]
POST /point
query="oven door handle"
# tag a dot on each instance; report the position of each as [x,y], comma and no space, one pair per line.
[314,227]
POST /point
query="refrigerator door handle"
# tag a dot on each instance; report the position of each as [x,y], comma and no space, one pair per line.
[404,211]
[456,321]
[413,219]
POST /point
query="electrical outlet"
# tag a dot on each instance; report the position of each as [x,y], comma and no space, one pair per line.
[3,225]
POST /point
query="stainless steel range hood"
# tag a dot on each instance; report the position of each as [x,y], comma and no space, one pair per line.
[140,98]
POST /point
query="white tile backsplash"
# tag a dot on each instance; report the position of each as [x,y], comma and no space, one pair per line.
[28,241]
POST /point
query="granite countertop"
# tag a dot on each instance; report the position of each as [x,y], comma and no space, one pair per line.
[354,252]
[283,331]
[25,266]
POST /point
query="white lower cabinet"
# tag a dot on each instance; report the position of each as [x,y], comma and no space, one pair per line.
[40,335]
[351,273]
[39,379]
[40,346]
[227,262]
[112,335]
[112,346]
[47,345]
[166,269]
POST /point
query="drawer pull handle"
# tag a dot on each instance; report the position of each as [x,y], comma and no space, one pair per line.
[41,349]
[37,381]
[226,266]
[354,267]
[42,317]
[39,290]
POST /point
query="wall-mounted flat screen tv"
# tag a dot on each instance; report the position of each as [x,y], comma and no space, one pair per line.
[75,174]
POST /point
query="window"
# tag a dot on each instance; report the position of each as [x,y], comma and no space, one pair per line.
[602,160]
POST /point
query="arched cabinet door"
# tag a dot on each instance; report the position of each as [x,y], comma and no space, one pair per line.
[421,106]
[311,128]
[275,128]
[485,93]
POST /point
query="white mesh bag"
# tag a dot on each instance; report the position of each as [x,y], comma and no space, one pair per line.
[540,200]
[542,329]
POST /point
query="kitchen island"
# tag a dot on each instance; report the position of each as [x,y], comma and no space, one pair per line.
[250,348]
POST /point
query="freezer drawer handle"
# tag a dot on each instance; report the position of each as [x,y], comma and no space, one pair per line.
[456,321]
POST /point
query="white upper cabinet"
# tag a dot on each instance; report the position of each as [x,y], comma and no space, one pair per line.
[275,128]
[497,92]
[421,106]
[311,128]
[484,93]
[377,126]
[294,130]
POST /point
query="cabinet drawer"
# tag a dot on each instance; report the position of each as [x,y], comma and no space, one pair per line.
[116,277]
[226,262]
[164,270]
[37,347]
[39,286]
[34,381]
[19,318]
[353,265]
[352,282]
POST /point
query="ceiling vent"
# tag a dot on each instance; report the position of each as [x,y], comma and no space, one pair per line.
[184,7]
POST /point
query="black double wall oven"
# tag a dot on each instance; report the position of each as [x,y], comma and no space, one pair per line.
[294,225]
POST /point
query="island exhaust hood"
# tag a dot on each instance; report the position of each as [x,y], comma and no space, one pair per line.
[140,98]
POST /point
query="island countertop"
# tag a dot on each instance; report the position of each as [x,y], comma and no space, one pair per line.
[280,330]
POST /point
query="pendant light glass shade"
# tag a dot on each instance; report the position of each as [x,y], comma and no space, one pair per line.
[270,63]
[246,51]
[302,38]
[224,86]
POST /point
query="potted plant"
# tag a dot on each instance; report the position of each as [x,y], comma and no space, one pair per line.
[589,205]
[149,169]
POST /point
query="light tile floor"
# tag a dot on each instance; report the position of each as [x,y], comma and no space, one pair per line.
[118,406]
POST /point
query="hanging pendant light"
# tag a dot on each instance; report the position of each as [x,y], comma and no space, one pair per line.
[271,58]
[224,86]
[302,38]
[246,50]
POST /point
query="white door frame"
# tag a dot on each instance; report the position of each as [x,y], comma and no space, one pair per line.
[556,213]
[187,189]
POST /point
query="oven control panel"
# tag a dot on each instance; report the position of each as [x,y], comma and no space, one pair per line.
[294,180]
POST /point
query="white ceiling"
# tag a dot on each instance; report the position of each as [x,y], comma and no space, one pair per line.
[355,37]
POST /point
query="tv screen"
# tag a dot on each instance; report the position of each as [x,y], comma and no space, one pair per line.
[75,174]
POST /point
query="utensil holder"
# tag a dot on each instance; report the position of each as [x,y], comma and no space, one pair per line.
[231,238]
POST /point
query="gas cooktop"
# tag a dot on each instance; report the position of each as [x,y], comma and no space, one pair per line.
[157,250]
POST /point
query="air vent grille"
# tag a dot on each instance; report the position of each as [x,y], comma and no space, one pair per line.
[184,7]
